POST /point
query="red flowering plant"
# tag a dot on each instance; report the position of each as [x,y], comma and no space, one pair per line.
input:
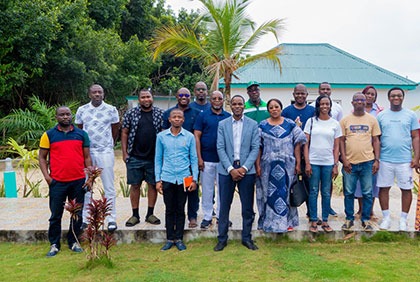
[98,239]
[95,234]
[73,208]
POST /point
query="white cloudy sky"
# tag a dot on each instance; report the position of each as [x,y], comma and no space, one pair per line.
[383,32]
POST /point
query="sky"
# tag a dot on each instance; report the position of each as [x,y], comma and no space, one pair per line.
[383,32]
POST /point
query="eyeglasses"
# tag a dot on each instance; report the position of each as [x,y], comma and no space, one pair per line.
[201,89]
[182,95]
[359,100]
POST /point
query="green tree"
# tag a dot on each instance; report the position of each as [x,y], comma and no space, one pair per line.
[26,126]
[27,28]
[226,46]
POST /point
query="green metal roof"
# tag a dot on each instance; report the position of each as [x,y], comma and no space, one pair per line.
[311,64]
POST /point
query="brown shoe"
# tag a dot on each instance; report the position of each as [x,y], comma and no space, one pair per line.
[193,223]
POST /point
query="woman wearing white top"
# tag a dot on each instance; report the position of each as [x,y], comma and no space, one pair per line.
[321,155]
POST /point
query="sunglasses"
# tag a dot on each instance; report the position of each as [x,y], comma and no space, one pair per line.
[201,89]
[182,95]
[359,100]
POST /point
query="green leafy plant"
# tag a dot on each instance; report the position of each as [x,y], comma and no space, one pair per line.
[124,187]
[2,190]
[26,126]
[28,161]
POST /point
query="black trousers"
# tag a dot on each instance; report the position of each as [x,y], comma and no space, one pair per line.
[174,198]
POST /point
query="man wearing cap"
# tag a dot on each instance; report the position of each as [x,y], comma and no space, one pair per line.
[255,108]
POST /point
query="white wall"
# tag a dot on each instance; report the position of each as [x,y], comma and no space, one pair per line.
[343,96]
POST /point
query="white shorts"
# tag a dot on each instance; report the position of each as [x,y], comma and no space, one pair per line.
[389,171]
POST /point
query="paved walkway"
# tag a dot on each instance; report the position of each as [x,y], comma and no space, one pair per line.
[26,219]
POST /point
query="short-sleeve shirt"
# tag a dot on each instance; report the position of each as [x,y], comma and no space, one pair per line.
[131,122]
[207,122]
[358,131]
[190,115]
[67,161]
[304,114]
[396,142]
[199,107]
[323,135]
[257,113]
[97,123]
[336,110]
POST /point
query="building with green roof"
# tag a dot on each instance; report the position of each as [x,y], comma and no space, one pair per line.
[312,64]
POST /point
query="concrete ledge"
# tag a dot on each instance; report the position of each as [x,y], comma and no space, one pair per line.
[159,236]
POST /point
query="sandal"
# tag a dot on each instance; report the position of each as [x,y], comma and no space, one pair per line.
[132,221]
[192,223]
[326,228]
[313,228]
[152,219]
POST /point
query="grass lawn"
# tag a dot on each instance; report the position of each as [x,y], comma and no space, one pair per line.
[275,260]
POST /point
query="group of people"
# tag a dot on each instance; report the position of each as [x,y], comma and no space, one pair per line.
[259,149]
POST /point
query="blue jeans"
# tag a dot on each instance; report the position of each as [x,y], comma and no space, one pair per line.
[363,173]
[321,178]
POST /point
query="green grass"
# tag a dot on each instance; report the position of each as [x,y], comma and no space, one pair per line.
[275,260]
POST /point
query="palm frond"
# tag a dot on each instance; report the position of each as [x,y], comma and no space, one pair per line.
[179,41]
[273,27]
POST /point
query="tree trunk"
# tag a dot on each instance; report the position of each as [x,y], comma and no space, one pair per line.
[228,80]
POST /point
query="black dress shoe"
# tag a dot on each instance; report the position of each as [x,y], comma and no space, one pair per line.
[250,245]
[220,246]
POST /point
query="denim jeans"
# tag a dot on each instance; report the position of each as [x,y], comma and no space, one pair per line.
[363,173]
[321,178]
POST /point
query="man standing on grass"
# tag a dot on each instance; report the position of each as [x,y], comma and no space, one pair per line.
[183,97]
[205,132]
[176,159]
[138,140]
[238,145]
[399,137]
[101,121]
[359,147]
[63,155]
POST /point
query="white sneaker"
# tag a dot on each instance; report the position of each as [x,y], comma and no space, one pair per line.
[403,224]
[386,223]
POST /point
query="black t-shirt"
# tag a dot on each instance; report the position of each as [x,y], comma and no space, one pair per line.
[145,139]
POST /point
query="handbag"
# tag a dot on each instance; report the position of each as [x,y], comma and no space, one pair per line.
[298,192]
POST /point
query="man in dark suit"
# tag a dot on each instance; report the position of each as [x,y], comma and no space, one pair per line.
[237,147]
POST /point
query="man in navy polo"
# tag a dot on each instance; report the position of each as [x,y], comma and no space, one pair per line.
[200,93]
[183,95]
[205,132]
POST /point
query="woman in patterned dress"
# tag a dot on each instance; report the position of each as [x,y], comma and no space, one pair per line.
[276,166]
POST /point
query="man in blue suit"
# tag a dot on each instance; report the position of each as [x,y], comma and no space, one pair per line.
[237,147]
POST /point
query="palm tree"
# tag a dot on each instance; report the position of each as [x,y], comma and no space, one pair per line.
[231,36]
